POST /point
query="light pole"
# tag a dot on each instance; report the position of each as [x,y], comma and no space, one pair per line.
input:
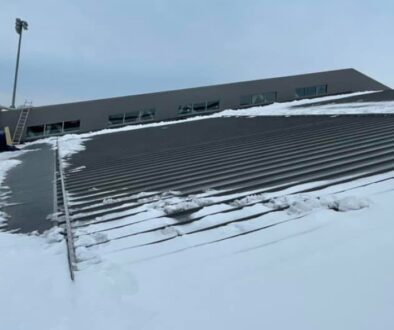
[19,27]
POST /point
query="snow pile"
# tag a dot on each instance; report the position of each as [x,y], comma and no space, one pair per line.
[91,239]
[321,268]
[305,203]
[54,235]
[171,205]
[36,292]
[351,203]
[70,144]
[251,199]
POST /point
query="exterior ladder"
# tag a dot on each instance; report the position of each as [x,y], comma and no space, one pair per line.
[20,126]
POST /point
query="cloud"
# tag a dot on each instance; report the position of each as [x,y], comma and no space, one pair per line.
[88,49]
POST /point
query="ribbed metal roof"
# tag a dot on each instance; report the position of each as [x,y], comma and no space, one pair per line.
[225,156]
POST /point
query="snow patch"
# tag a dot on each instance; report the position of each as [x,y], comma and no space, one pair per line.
[77,169]
[176,204]
[7,162]
[90,239]
[86,256]
[251,199]
[305,203]
[54,235]
[351,203]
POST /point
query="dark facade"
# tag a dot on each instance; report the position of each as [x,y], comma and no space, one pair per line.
[114,112]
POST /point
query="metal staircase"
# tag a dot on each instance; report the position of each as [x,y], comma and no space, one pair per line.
[20,126]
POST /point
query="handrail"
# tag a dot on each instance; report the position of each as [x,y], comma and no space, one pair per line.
[70,238]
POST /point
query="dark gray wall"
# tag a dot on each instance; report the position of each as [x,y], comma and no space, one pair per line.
[94,114]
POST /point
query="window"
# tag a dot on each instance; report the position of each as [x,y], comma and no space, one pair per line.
[257,99]
[321,90]
[115,119]
[300,92]
[148,114]
[199,106]
[271,97]
[246,100]
[185,109]
[130,117]
[213,105]
[311,91]
[71,126]
[56,128]
[35,131]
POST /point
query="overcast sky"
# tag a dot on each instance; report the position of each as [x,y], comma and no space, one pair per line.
[86,49]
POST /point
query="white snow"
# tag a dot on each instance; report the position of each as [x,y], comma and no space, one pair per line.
[325,262]
[288,109]
[36,293]
[7,162]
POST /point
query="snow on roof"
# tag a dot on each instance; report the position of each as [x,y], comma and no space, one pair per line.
[313,253]
[324,262]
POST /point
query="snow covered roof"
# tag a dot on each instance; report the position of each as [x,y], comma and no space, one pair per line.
[255,214]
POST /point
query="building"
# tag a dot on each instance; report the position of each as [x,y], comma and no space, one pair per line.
[79,117]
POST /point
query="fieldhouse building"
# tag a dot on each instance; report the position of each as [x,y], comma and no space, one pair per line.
[37,122]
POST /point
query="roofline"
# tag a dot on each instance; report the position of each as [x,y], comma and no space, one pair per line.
[199,87]
[365,75]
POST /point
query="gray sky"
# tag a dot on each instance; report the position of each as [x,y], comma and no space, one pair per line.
[86,49]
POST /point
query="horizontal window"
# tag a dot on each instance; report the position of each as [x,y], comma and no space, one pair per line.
[130,117]
[246,100]
[71,126]
[185,109]
[148,114]
[271,97]
[199,106]
[311,91]
[258,99]
[51,129]
[35,131]
[213,105]
[116,119]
